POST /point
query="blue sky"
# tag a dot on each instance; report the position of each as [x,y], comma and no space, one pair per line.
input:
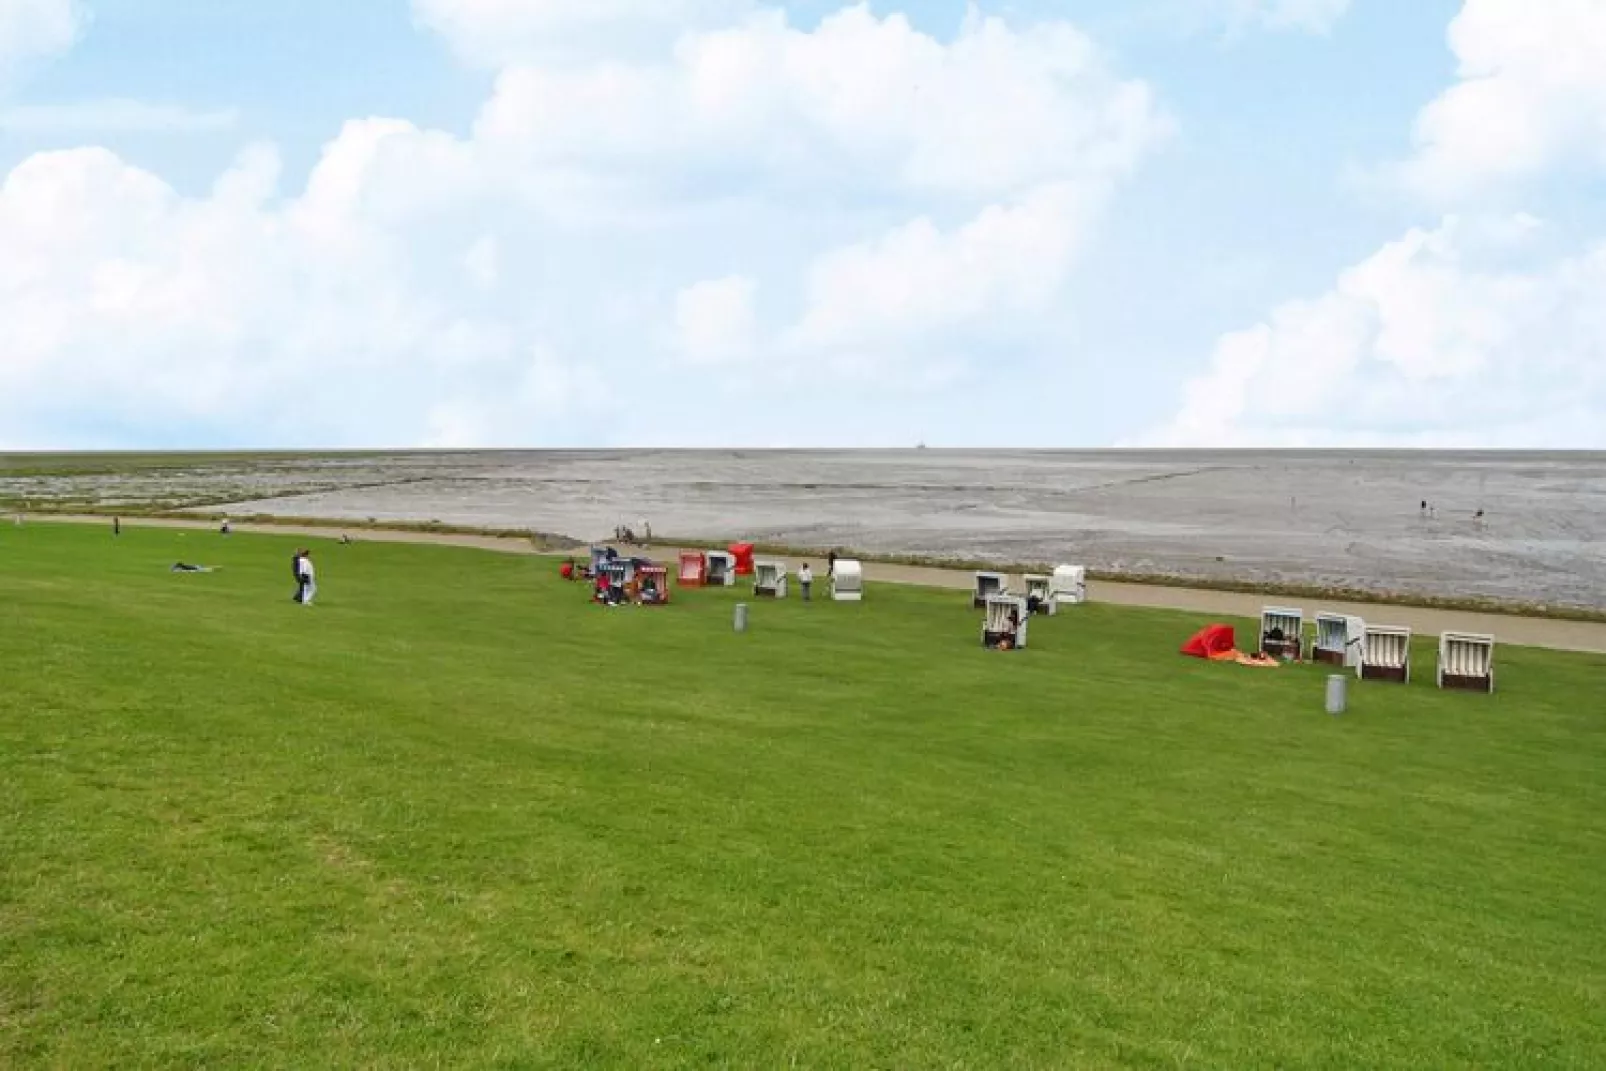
[699,222]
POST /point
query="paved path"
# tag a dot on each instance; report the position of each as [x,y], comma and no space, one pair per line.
[1558,635]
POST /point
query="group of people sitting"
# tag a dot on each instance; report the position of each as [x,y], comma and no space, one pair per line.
[605,589]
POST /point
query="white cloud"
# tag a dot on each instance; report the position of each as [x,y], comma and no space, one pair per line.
[32,30]
[1434,340]
[115,116]
[715,321]
[861,101]
[1530,95]
[916,281]
[870,180]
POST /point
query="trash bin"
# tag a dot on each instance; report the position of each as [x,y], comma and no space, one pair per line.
[1337,693]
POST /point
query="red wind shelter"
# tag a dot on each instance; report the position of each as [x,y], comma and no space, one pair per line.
[1212,641]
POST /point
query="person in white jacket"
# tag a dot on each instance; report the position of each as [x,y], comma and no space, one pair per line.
[309,579]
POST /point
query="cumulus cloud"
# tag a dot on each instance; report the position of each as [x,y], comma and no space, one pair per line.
[1435,340]
[1530,95]
[859,101]
[917,281]
[606,215]
[33,30]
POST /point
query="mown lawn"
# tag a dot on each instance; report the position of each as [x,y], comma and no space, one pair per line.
[454,816]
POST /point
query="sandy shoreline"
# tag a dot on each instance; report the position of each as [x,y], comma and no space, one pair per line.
[1582,636]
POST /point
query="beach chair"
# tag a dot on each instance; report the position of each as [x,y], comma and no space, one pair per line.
[721,569]
[619,572]
[1282,632]
[1068,586]
[1005,623]
[988,585]
[652,585]
[769,580]
[1466,662]
[1037,593]
[1385,654]
[693,569]
[1338,641]
[847,581]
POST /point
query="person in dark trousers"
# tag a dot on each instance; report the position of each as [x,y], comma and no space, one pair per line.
[117,526]
[805,580]
[300,575]
[830,565]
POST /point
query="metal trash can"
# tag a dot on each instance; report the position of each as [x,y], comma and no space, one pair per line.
[741,617]
[1337,693]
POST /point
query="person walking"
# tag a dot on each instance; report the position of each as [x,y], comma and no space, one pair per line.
[117,526]
[805,580]
[830,564]
[309,578]
[300,578]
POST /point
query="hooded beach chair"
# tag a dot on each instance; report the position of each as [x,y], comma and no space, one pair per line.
[1005,622]
[1282,632]
[769,580]
[847,581]
[652,585]
[1338,642]
[988,585]
[1068,586]
[1385,654]
[1466,662]
[1038,588]
[693,569]
[721,569]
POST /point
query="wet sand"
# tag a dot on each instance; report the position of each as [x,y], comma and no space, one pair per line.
[1521,631]
[1516,528]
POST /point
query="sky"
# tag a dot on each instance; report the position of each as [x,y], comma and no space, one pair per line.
[685,223]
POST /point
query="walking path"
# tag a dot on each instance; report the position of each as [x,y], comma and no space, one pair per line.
[1586,636]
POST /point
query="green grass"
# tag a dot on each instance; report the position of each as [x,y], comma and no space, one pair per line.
[454,816]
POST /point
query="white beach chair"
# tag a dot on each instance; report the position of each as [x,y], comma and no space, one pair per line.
[1466,662]
[721,569]
[987,586]
[1385,654]
[769,580]
[1005,622]
[1038,588]
[1068,586]
[1282,632]
[1338,641]
[847,581]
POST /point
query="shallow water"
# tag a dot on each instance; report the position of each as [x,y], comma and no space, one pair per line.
[1336,518]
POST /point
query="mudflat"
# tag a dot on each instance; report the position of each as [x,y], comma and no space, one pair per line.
[1518,527]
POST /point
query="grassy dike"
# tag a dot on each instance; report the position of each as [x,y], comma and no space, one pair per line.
[454,815]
